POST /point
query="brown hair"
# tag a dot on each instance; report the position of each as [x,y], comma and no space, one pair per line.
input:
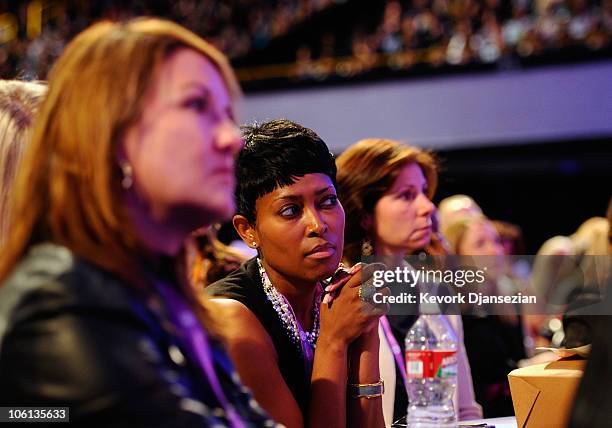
[211,260]
[68,188]
[368,169]
[19,103]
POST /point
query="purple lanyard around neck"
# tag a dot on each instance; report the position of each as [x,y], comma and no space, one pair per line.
[197,340]
[395,348]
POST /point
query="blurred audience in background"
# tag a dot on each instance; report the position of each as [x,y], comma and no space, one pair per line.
[397,36]
[236,27]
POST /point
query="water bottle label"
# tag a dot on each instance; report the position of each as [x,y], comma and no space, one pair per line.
[430,364]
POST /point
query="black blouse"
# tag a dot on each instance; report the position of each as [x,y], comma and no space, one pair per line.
[245,286]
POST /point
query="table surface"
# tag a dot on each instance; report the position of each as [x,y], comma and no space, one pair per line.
[507,422]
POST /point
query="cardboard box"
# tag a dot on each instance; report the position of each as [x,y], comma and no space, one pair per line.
[543,394]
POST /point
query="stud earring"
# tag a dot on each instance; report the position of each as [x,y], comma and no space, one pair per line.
[366,248]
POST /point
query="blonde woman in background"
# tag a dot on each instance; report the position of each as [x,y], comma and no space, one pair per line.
[591,241]
[494,343]
[19,103]
[457,206]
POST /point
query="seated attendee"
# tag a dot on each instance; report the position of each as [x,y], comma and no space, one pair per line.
[93,315]
[386,188]
[511,237]
[455,207]
[274,315]
[18,104]
[590,280]
[591,239]
[593,402]
[519,269]
[502,334]
[570,273]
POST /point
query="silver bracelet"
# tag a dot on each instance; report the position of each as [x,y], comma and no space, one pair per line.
[366,390]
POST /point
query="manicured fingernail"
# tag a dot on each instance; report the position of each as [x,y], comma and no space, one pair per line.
[355,268]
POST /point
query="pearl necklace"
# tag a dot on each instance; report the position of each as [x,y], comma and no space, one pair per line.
[285,312]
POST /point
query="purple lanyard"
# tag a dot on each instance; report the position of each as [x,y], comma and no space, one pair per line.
[395,348]
[198,341]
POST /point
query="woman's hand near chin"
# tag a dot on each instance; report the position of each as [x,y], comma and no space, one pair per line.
[344,318]
[347,316]
[350,322]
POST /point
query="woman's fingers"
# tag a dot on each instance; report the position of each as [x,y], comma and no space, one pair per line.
[333,286]
[365,274]
[331,291]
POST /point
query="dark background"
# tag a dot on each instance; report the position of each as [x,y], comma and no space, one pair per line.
[546,188]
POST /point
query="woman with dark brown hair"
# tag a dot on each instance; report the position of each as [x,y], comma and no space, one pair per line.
[366,172]
[386,188]
[133,149]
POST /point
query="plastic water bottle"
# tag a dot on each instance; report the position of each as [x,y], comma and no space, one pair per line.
[431,366]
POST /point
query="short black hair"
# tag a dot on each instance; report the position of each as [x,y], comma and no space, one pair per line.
[275,154]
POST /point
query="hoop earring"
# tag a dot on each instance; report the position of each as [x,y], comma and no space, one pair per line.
[366,247]
[127,179]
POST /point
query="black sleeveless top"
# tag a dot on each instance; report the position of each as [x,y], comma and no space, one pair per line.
[245,286]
